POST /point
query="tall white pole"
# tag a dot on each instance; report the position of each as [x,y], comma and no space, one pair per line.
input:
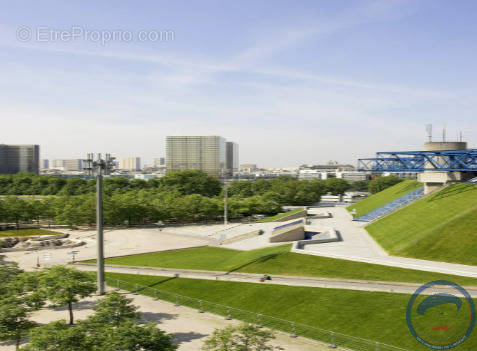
[226,204]
[99,236]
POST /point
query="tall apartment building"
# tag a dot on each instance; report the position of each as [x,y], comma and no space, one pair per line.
[231,157]
[74,164]
[248,167]
[159,162]
[205,153]
[19,158]
[130,163]
[45,164]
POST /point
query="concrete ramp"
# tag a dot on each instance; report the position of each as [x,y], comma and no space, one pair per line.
[289,231]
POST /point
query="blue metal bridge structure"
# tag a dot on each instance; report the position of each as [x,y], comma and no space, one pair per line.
[420,161]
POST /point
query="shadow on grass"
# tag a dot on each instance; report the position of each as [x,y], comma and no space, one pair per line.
[452,191]
[152,285]
[257,260]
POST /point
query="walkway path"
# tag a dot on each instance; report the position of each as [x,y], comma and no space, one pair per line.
[331,283]
[189,327]
[358,245]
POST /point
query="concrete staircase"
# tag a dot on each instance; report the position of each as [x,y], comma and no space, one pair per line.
[391,206]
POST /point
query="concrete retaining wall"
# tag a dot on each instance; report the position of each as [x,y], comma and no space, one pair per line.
[288,232]
[241,237]
[296,215]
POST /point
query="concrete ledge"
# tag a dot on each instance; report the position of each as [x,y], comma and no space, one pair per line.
[331,235]
[241,237]
[294,230]
[300,214]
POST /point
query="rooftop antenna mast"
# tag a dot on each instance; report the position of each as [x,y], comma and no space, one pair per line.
[99,167]
[429,131]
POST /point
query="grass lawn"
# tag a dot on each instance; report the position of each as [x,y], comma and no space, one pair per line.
[369,315]
[279,260]
[279,216]
[425,224]
[25,232]
[455,241]
[376,200]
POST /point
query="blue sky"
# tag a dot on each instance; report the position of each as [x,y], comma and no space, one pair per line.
[291,81]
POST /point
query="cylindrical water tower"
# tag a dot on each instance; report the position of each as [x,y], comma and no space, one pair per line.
[434,180]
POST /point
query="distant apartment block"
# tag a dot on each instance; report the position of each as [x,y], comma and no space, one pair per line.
[205,153]
[248,167]
[45,164]
[231,157]
[71,165]
[19,158]
[130,163]
[159,162]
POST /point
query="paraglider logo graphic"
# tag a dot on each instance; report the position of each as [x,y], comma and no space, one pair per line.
[443,320]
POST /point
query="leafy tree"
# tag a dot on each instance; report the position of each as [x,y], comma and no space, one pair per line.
[16,209]
[244,337]
[76,210]
[359,185]
[336,186]
[14,323]
[114,309]
[9,273]
[113,327]
[64,286]
[241,188]
[381,183]
[58,336]
[131,336]
[191,182]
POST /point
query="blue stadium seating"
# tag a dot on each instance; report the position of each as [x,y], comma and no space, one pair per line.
[391,206]
[473,180]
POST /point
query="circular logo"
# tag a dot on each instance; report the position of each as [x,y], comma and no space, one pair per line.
[441,320]
[23,33]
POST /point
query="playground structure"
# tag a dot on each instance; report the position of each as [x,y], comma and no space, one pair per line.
[441,163]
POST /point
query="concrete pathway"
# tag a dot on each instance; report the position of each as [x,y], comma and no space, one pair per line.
[189,327]
[358,245]
[330,283]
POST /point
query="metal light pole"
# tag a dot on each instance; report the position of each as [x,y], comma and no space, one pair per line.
[99,167]
[226,203]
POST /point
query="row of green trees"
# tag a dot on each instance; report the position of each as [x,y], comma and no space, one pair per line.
[185,182]
[185,196]
[115,324]
[133,207]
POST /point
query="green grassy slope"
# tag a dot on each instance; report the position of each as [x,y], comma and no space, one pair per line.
[278,260]
[279,216]
[25,232]
[412,229]
[376,200]
[455,241]
[370,315]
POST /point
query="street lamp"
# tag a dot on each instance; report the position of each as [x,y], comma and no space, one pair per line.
[99,167]
[226,203]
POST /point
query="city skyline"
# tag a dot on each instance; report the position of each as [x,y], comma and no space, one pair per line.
[321,77]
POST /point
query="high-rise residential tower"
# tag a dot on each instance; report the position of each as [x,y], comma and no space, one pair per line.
[130,163]
[19,158]
[205,153]
[74,164]
[232,162]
